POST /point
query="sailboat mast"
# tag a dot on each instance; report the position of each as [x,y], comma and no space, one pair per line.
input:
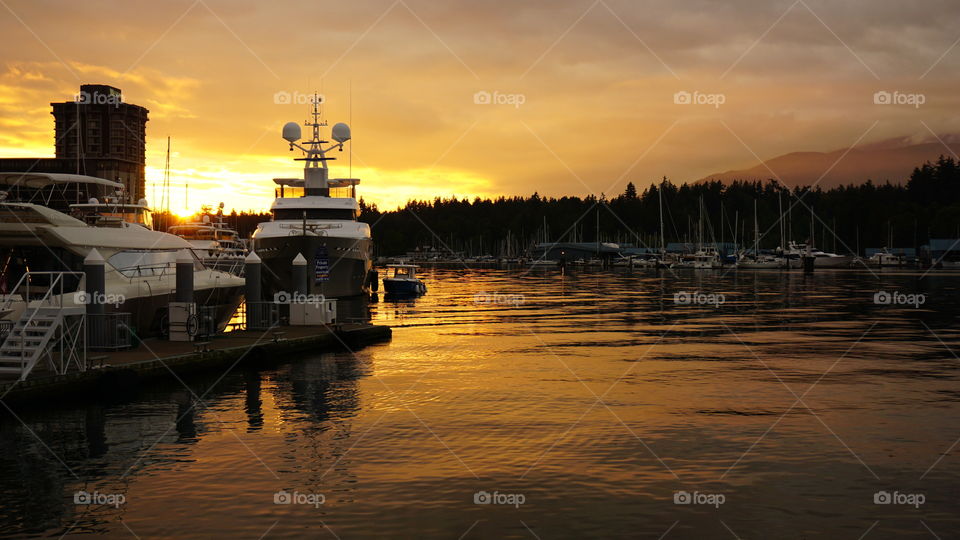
[756,230]
[783,244]
[165,196]
[663,245]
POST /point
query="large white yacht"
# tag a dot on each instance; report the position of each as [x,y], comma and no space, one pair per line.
[214,241]
[141,262]
[316,216]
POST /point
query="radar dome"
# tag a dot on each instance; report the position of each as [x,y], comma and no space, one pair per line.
[340,132]
[291,132]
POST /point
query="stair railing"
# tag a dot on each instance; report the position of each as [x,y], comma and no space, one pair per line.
[56,279]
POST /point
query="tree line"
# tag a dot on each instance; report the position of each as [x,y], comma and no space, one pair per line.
[845,219]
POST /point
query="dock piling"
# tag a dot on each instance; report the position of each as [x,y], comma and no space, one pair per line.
[184,276]
[299,275]
[94,269]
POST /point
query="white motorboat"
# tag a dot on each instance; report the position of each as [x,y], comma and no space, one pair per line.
[795,253]
[214,241]
[140,262]
[884,258]
[706,259]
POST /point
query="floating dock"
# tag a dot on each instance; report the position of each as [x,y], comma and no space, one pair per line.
[161,358]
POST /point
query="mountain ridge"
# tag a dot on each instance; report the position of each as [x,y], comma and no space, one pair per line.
[890,160]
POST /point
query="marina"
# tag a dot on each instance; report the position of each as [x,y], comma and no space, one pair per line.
[479,270]
[486,386]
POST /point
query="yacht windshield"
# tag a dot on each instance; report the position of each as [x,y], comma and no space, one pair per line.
[314,213]
[139,263]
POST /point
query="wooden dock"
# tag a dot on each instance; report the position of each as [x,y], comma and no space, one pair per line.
[160,358]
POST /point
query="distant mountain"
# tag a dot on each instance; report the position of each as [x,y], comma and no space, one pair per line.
[892,159]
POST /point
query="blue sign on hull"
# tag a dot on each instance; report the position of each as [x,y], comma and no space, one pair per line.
[321,265]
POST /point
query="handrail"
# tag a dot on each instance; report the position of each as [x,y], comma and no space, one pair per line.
[47,296]
[26,278]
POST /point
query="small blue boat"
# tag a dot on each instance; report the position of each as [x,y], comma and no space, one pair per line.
[402,280]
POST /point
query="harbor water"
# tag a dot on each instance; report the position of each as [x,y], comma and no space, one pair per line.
[516,403]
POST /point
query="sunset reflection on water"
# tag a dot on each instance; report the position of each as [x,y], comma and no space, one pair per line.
[596,396]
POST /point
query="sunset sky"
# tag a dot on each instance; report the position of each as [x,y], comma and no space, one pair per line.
[588,87]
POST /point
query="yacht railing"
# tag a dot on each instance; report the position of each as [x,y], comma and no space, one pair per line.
[54,279]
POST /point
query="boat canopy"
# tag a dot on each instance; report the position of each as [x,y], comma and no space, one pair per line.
[39,180]
[113,214]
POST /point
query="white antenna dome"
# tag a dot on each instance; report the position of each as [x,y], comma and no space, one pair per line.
[143,202]
[340,132]
[291,132]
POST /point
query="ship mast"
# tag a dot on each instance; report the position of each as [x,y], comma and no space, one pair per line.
[316,157]
[315,171]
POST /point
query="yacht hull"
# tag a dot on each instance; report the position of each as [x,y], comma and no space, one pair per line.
[840,261]
[403,287]
[749,264]
[149,313]
[337,267]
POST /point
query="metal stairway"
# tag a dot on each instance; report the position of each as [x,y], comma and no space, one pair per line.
[46,330]
[32,338]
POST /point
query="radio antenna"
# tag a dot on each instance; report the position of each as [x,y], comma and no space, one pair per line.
[350,116]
